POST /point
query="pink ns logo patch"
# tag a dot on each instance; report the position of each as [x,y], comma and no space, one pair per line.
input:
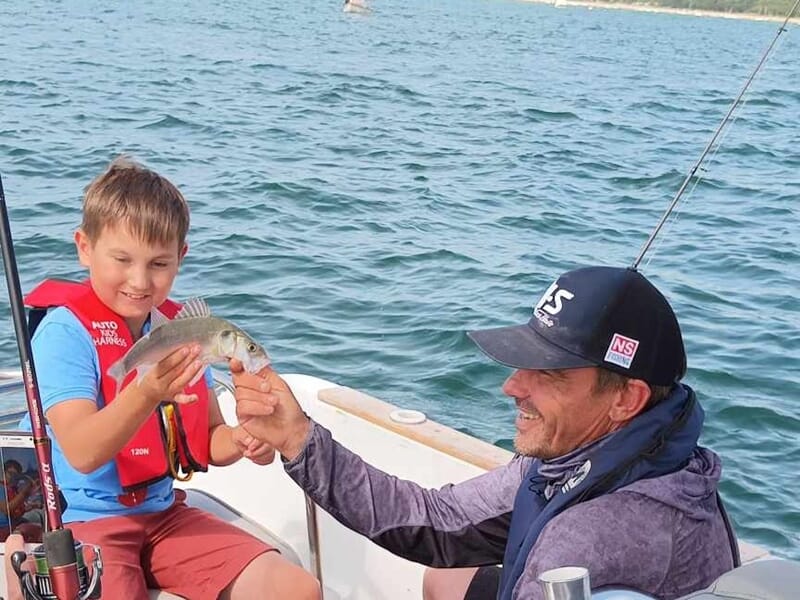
[621,350]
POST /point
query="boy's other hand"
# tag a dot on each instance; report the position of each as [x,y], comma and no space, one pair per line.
[259,452]
[268,410]
[168,378]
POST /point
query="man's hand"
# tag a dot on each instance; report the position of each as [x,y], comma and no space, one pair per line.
[167,379]
[268,410]
[259,452]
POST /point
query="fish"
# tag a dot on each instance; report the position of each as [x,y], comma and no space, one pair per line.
[219,341]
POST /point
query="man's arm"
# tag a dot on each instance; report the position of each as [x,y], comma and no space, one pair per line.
[459,525]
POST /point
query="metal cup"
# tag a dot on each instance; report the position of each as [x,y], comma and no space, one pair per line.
[566,583]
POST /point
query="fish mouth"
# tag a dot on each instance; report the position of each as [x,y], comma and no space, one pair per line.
[254,365]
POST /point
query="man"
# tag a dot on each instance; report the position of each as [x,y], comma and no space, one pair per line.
[608,473]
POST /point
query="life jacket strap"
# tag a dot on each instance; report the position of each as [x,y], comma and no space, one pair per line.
[173,458]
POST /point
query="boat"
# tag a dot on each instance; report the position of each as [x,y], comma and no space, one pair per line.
[264,501]
[356,6]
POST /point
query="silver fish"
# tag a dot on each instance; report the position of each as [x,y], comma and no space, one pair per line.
[219,341]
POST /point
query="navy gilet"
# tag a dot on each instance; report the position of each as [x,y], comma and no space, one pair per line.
[657,442]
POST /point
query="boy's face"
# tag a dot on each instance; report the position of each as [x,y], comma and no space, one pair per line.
[129,275]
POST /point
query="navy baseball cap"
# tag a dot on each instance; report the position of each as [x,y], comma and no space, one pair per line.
[607,317]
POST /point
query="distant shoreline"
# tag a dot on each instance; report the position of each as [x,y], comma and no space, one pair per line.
[665,9]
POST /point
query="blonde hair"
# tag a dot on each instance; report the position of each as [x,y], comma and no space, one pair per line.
[129,194]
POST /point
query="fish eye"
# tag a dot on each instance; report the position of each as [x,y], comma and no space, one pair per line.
[251,347]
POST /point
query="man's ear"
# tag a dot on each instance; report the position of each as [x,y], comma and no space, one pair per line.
[183,252]
[84,246]
[629,401]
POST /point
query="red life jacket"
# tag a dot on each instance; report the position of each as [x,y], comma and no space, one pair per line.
[144,460]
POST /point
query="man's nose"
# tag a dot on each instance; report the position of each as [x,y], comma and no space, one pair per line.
[511,387]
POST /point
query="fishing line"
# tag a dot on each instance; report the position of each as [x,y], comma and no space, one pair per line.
[675,217]
[734,105]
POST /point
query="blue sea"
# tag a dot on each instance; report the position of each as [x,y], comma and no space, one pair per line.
[365,189]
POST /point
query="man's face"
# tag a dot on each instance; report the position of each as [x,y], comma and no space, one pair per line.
[558,410]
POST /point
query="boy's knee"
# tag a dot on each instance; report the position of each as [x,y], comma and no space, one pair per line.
[309,588]
[304,585]
[297,583]
[275,577]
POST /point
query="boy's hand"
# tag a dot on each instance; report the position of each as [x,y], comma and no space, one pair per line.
[268,410]
[167,379]
[259,452]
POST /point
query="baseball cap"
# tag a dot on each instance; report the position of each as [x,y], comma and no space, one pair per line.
[607,317]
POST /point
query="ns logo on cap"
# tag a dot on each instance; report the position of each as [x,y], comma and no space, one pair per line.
[551,304]
[621,350]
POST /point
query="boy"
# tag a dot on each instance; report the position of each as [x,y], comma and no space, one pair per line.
[116,479]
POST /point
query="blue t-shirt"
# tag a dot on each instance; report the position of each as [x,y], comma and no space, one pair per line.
[68,367]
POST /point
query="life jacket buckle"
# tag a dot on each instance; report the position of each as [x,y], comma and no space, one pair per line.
[134,498]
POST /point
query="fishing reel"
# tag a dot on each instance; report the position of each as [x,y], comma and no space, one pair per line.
[37,584]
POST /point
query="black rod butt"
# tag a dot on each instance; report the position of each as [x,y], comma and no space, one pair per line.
[59,548]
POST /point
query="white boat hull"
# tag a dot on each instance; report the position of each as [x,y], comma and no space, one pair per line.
[350,566]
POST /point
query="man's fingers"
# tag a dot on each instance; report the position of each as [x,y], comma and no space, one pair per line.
[251,382]
[247,409]
[276,382]
[263,455]
[264,396]
[265,371]
[241,437]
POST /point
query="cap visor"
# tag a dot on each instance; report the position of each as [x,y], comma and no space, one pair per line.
[521,347]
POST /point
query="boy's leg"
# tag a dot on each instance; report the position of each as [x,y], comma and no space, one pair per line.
[471,583]
[270,576]
[121,540]
[196,555]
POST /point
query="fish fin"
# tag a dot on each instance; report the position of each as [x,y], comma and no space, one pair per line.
[157,318]
[194,307]
[197,377]
[117,371]
[142,370]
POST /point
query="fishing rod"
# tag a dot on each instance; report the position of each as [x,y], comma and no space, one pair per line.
[65,577]
[713,139]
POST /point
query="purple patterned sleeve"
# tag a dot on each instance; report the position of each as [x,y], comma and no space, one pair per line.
[462,524]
